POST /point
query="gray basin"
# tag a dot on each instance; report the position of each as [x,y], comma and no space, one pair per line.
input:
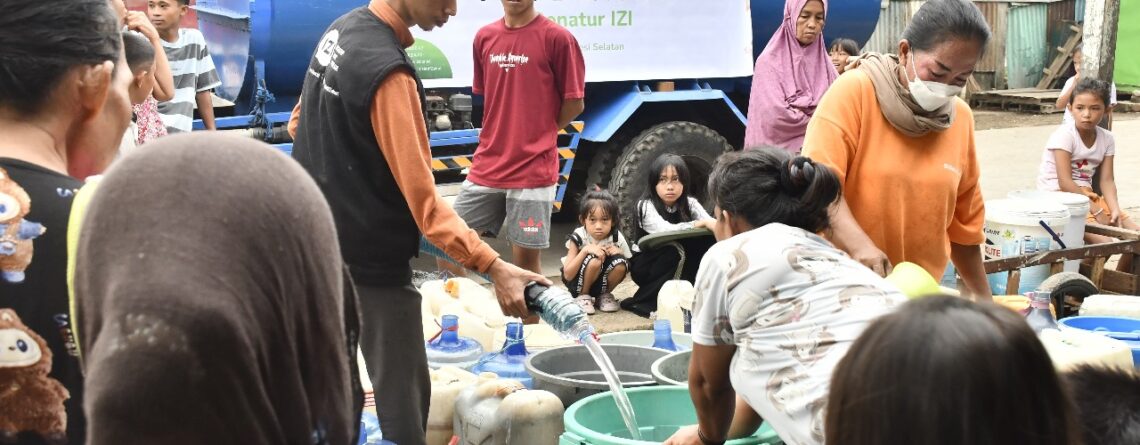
[672,369]
[571,373]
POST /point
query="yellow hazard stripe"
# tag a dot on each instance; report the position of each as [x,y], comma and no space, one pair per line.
[566,153]
[437,164]
[463,161]
[574,127]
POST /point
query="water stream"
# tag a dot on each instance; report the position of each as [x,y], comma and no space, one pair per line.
[559,310]
[625,408]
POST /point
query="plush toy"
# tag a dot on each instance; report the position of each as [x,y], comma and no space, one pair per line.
[29,399]
[16,234]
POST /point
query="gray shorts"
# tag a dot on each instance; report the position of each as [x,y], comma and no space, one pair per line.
[525,212]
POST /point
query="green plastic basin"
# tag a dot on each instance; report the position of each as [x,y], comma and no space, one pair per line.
[660,410]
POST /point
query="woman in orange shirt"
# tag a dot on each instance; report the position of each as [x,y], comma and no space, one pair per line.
[903,145]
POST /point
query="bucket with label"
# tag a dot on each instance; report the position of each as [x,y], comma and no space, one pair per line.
[1078,206]
[1018,227]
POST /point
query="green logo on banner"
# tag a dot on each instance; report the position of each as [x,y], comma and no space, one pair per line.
[430,62]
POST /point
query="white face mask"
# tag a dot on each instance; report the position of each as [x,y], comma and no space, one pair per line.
[930,95]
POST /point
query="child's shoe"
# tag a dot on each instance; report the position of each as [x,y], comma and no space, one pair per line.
[587,304]
[607,303]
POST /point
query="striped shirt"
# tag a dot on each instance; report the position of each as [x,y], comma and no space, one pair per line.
[194,72]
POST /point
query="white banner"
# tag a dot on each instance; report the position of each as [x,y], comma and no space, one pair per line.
[620,39]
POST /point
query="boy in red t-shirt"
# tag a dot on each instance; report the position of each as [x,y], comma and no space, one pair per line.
[531,73]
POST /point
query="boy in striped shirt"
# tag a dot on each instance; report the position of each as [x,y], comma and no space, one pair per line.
[190,64]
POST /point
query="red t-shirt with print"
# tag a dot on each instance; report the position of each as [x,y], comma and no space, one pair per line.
[524,75]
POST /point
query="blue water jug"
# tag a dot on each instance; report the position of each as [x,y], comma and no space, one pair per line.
[448,348]
[510,362]
[663,336]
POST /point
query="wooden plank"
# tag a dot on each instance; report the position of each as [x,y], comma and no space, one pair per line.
[1014,282]
[1112,232]
[1097,275]
[1049,257]
[1115,282]
[1056,268]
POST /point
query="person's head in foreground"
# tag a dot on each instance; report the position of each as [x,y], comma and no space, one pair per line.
[1107,404]
[946,371]
[756,187]
[212,301]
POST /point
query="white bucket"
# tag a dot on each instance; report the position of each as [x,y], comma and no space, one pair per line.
[1013,227]
[1078,206]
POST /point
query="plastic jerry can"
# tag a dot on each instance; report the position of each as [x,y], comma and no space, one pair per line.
[503,412]
[669,302]
[1111,306]
[446,384]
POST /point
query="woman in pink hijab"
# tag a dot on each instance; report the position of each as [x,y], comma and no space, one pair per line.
[791,76]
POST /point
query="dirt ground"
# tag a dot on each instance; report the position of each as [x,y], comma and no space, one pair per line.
[990,120]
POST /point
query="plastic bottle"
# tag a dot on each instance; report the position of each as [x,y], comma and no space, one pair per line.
[1039,317]
[451,349]
[510,361]
[663,336]
[558,309]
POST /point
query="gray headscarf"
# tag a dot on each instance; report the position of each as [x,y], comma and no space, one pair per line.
[212,301]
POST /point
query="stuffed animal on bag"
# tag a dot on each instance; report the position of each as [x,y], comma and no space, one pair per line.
[16,234]
[29,399]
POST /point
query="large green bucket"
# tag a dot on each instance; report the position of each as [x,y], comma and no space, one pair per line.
[661,410]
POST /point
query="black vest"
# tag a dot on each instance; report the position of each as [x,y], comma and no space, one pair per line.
[337,146]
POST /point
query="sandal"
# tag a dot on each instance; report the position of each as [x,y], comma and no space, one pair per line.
[587,304]
[607,303]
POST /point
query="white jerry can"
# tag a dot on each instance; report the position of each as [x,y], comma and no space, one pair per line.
[446,384]
[504,412]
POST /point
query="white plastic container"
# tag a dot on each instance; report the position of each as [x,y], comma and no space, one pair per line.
[669,302]
[503,412]
[1078,206]
[1111,306]
[446,384]
[1069,348]
[1013,227]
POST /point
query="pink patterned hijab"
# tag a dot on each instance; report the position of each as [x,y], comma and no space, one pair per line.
[787,84]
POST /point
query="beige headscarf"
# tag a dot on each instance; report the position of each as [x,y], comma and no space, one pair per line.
[895,100]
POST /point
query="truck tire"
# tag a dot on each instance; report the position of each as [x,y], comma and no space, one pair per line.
[697,144]
[1068,285]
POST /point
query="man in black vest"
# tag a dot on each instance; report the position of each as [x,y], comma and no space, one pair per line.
[359,129]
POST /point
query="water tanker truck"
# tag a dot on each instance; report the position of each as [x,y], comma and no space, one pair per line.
[663,76]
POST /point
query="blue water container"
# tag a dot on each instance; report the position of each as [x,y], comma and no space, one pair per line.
[663,336]
[1125,329]
[449,349]
[510,362]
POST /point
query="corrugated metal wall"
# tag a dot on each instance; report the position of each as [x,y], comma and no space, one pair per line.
[1026,45]
[892,22]
[1061,15]
[990,72]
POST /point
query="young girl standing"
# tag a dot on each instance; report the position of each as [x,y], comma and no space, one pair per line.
[596,254]
[665,207]
[1080,148]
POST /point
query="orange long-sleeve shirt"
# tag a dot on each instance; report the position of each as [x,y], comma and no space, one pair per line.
[400,130]
[912,196]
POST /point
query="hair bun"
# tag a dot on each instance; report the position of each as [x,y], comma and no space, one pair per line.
[797,175]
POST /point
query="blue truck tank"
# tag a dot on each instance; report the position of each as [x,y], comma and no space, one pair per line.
[274,39]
